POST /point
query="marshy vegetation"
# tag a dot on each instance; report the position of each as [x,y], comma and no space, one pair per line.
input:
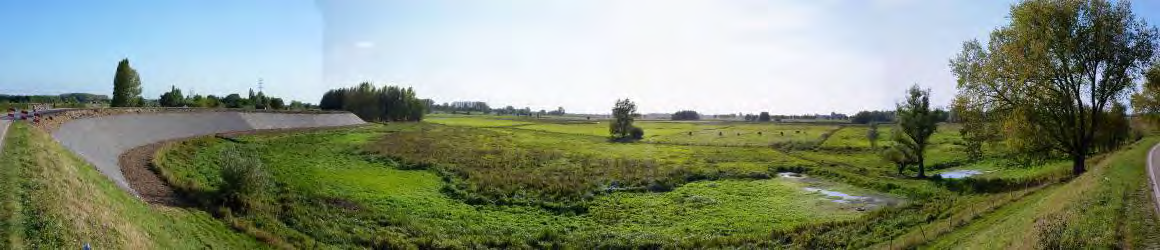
[486,181]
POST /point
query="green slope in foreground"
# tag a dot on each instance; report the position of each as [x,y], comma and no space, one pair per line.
[1109,207]
[51,199]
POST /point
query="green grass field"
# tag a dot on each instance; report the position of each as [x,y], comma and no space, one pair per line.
[710,133]
[326,166]
[854,137]
[478,181]
[470,121]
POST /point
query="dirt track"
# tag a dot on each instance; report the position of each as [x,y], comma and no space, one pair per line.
[102,140]
[136,165]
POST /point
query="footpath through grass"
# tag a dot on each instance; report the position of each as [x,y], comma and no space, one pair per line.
[51,199]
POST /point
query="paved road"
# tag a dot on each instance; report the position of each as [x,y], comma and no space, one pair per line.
[1154,173]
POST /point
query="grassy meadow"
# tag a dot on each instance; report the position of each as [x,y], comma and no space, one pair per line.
[462,181]
[502,182]
[380,202]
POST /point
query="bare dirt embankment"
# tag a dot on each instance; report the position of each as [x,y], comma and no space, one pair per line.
[101,136]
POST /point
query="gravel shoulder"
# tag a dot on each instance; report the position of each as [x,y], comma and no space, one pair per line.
[137,166]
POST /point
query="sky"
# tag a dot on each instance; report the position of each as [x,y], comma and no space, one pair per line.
[713,56]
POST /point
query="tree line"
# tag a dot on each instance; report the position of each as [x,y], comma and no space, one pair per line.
[389,103]
[888,116]
[875,116]
[127,93]
[478,107]
[686,115]
[175,98]
[463,107]
[62,98]
[762,117]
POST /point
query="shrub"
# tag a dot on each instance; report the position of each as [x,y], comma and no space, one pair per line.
[659,186]
[244,181]
[637,133]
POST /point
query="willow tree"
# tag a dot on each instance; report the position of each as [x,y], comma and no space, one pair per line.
[1055,68]
[917,122]
[621,126]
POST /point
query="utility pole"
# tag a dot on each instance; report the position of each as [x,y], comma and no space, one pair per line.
[261,95]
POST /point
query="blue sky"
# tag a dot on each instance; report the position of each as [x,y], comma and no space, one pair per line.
[708,55]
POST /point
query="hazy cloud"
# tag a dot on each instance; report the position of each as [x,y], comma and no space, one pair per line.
[712,56]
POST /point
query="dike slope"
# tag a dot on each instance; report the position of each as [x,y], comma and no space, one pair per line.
[101,140]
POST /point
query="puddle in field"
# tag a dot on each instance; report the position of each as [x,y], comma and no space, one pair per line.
[840,197]
[860,203]
[959,174]
[791,175]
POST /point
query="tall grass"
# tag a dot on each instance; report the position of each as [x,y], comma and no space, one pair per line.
[331,196]
[54,200]
[487,167]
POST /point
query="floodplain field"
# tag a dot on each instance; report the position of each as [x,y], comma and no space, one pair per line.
[461,182]
[469,204]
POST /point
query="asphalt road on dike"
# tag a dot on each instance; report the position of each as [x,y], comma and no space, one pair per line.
[1154,173]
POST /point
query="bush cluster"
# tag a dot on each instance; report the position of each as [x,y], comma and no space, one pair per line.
[244,181]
